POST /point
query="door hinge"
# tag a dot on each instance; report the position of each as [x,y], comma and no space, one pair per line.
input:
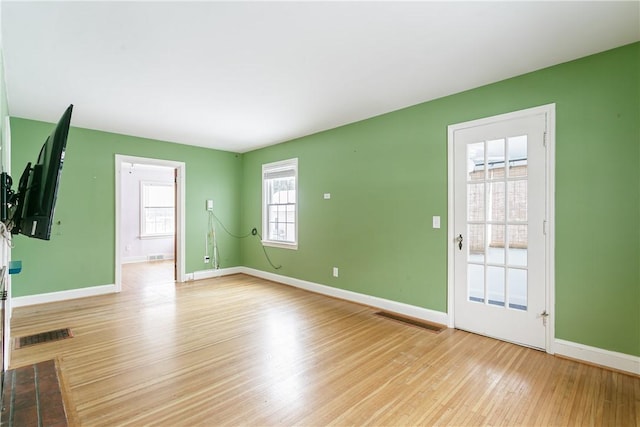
[544,227]
[544,138]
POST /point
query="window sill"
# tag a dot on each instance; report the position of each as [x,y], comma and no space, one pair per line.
[283,245]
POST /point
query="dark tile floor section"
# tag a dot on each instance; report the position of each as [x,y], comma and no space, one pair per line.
[32,397]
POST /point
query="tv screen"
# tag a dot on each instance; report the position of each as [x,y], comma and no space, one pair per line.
[38,186]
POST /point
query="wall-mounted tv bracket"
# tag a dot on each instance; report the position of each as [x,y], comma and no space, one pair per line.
[6,194]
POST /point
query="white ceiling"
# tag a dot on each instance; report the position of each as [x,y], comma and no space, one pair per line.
[241,75]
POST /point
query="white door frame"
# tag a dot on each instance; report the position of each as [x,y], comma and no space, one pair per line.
[5,254]
[549,110]
[180,167]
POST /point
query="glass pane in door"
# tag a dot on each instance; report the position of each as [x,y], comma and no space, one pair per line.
[497,245]
[475,200]
[496,201]
[495,285]
[517,147]
[476,243]
[517,200]
[517,279]
[475,161]
[475,282]
[495,156]
[518,245]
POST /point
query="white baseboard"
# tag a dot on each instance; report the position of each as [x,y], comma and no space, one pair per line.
[208,274]
[133,259]
[597,356]
[144,258]
[368,300]
[62,295]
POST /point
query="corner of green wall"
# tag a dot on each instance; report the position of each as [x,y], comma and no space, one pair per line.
[81,252]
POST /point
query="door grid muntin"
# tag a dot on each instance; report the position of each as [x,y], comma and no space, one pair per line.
[497,241]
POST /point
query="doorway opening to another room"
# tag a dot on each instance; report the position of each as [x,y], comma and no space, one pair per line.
[149,220]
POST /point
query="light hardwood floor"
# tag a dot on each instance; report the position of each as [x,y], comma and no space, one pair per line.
[244,351]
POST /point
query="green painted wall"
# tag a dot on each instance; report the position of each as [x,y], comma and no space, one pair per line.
[388,176]
[81,252]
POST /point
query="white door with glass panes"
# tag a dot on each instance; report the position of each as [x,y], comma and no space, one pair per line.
[499,246]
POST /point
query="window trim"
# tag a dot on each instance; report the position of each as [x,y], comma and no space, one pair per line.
[143,232]
[289,164]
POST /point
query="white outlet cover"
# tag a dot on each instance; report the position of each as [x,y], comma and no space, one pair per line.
[436,222]
[327,196]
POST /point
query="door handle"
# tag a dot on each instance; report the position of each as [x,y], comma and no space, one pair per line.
[544,316]
[459,240]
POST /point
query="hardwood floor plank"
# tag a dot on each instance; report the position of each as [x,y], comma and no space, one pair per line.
[240,350]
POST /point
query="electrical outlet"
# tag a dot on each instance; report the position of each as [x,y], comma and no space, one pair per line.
[207,259]
[210,205]
[335,271]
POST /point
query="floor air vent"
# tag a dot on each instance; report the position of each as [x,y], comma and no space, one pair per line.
[43,337]
[431,327]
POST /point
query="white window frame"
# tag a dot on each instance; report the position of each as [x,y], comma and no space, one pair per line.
[284,166]
[143,232]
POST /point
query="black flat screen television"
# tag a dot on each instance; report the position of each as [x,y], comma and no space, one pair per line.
[29,210]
